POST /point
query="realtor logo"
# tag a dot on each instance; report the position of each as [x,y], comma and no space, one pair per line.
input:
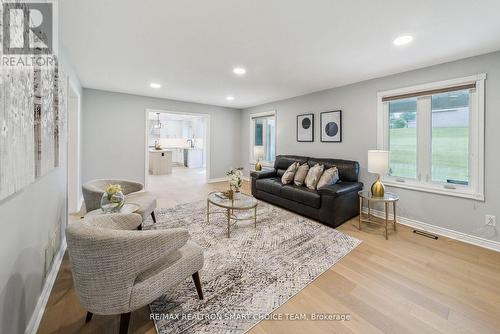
[27,28]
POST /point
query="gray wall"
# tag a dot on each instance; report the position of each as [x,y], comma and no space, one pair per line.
[28,219]
[113,134]
[358,103]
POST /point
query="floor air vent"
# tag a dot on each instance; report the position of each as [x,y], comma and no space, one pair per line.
[426,234]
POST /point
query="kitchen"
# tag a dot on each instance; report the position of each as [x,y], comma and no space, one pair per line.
[176,144]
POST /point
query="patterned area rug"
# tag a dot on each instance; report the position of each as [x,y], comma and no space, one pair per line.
[249,275]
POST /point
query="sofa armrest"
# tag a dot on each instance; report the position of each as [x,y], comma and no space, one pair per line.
[341,188]
[265,173]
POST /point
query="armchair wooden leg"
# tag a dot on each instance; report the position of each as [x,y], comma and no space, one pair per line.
[153,216]
[197,283]
[124,320]
[88,317]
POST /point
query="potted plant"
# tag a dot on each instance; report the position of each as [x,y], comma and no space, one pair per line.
[235,178]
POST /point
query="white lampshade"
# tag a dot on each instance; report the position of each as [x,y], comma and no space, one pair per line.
[258,152]
[378,162]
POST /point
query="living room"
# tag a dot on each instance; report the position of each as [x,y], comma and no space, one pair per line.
[346,179]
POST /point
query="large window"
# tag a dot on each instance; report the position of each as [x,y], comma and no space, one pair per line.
[263,137]
[435,136]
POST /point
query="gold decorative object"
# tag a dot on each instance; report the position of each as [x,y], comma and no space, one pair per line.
[378,163]
[378,188]
[258,166]
[229,193]
[258,153]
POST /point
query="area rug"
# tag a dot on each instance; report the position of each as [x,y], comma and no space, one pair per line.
[247,276]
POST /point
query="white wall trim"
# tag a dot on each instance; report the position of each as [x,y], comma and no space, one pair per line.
[73,147]
[220,179]
[37,315]
[225,179]
[423,182]
[460,236]
[251,134]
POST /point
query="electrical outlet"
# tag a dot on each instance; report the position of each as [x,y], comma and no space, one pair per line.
[490,220]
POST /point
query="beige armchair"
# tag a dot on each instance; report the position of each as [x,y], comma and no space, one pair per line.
[117,271]
[93,190]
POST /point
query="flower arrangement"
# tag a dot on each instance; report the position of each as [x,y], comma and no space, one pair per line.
[112,189]
[113,199]
[235,178]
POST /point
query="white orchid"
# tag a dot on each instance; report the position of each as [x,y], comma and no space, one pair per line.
[235,178]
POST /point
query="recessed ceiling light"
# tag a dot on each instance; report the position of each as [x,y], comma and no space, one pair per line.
[402,40]
[154,85]
[239,71]
[230,98]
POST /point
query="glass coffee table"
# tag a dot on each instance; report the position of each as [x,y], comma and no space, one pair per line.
[232,208]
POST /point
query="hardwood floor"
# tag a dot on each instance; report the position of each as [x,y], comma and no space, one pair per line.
[407,284]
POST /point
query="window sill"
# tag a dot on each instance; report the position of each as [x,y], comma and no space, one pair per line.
[436,189]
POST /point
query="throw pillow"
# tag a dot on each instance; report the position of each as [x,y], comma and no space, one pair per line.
[313,176]
[290,173]
[301,174]
[330,176]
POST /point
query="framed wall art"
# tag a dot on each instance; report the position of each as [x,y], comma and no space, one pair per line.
[331,126]
[305,128]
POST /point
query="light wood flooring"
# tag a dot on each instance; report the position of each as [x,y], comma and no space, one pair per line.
[407,284]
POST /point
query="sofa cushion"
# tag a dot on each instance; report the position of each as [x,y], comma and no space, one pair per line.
[329,177]
[270,185]
[348,170]
[290,173]
[313,176]
[301,195]
[282,162]
[301,174]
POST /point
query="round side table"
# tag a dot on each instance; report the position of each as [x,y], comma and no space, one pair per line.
[387,199]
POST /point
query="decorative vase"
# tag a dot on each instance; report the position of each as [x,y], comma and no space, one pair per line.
[258,166]
[111,203]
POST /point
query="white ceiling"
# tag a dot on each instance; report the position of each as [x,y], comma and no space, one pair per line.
[289,48]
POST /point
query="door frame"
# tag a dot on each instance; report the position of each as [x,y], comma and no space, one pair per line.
[74,193]
[206,139]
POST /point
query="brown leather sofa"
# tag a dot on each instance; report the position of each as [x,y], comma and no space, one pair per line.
[332,205]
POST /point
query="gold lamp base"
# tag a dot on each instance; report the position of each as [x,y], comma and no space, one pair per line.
[378,189]
[258,166]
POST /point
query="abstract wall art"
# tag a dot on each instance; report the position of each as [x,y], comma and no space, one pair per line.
[305,128]
[331,126]
[32,108]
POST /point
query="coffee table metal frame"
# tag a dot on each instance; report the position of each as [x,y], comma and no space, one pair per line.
[229,211]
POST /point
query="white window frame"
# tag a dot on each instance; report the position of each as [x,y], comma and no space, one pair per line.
[252,160]
[423,182]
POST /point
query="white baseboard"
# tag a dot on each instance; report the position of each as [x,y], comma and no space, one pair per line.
[220,179]
[37,315]
[224,179]
[464,237]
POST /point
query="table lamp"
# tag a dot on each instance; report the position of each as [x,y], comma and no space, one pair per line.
[378,163]
[258,153]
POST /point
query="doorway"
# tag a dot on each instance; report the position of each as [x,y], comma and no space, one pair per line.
[74,171]
[177,149]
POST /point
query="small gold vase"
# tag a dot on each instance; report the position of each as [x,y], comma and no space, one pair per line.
[258,166]
[378,189]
